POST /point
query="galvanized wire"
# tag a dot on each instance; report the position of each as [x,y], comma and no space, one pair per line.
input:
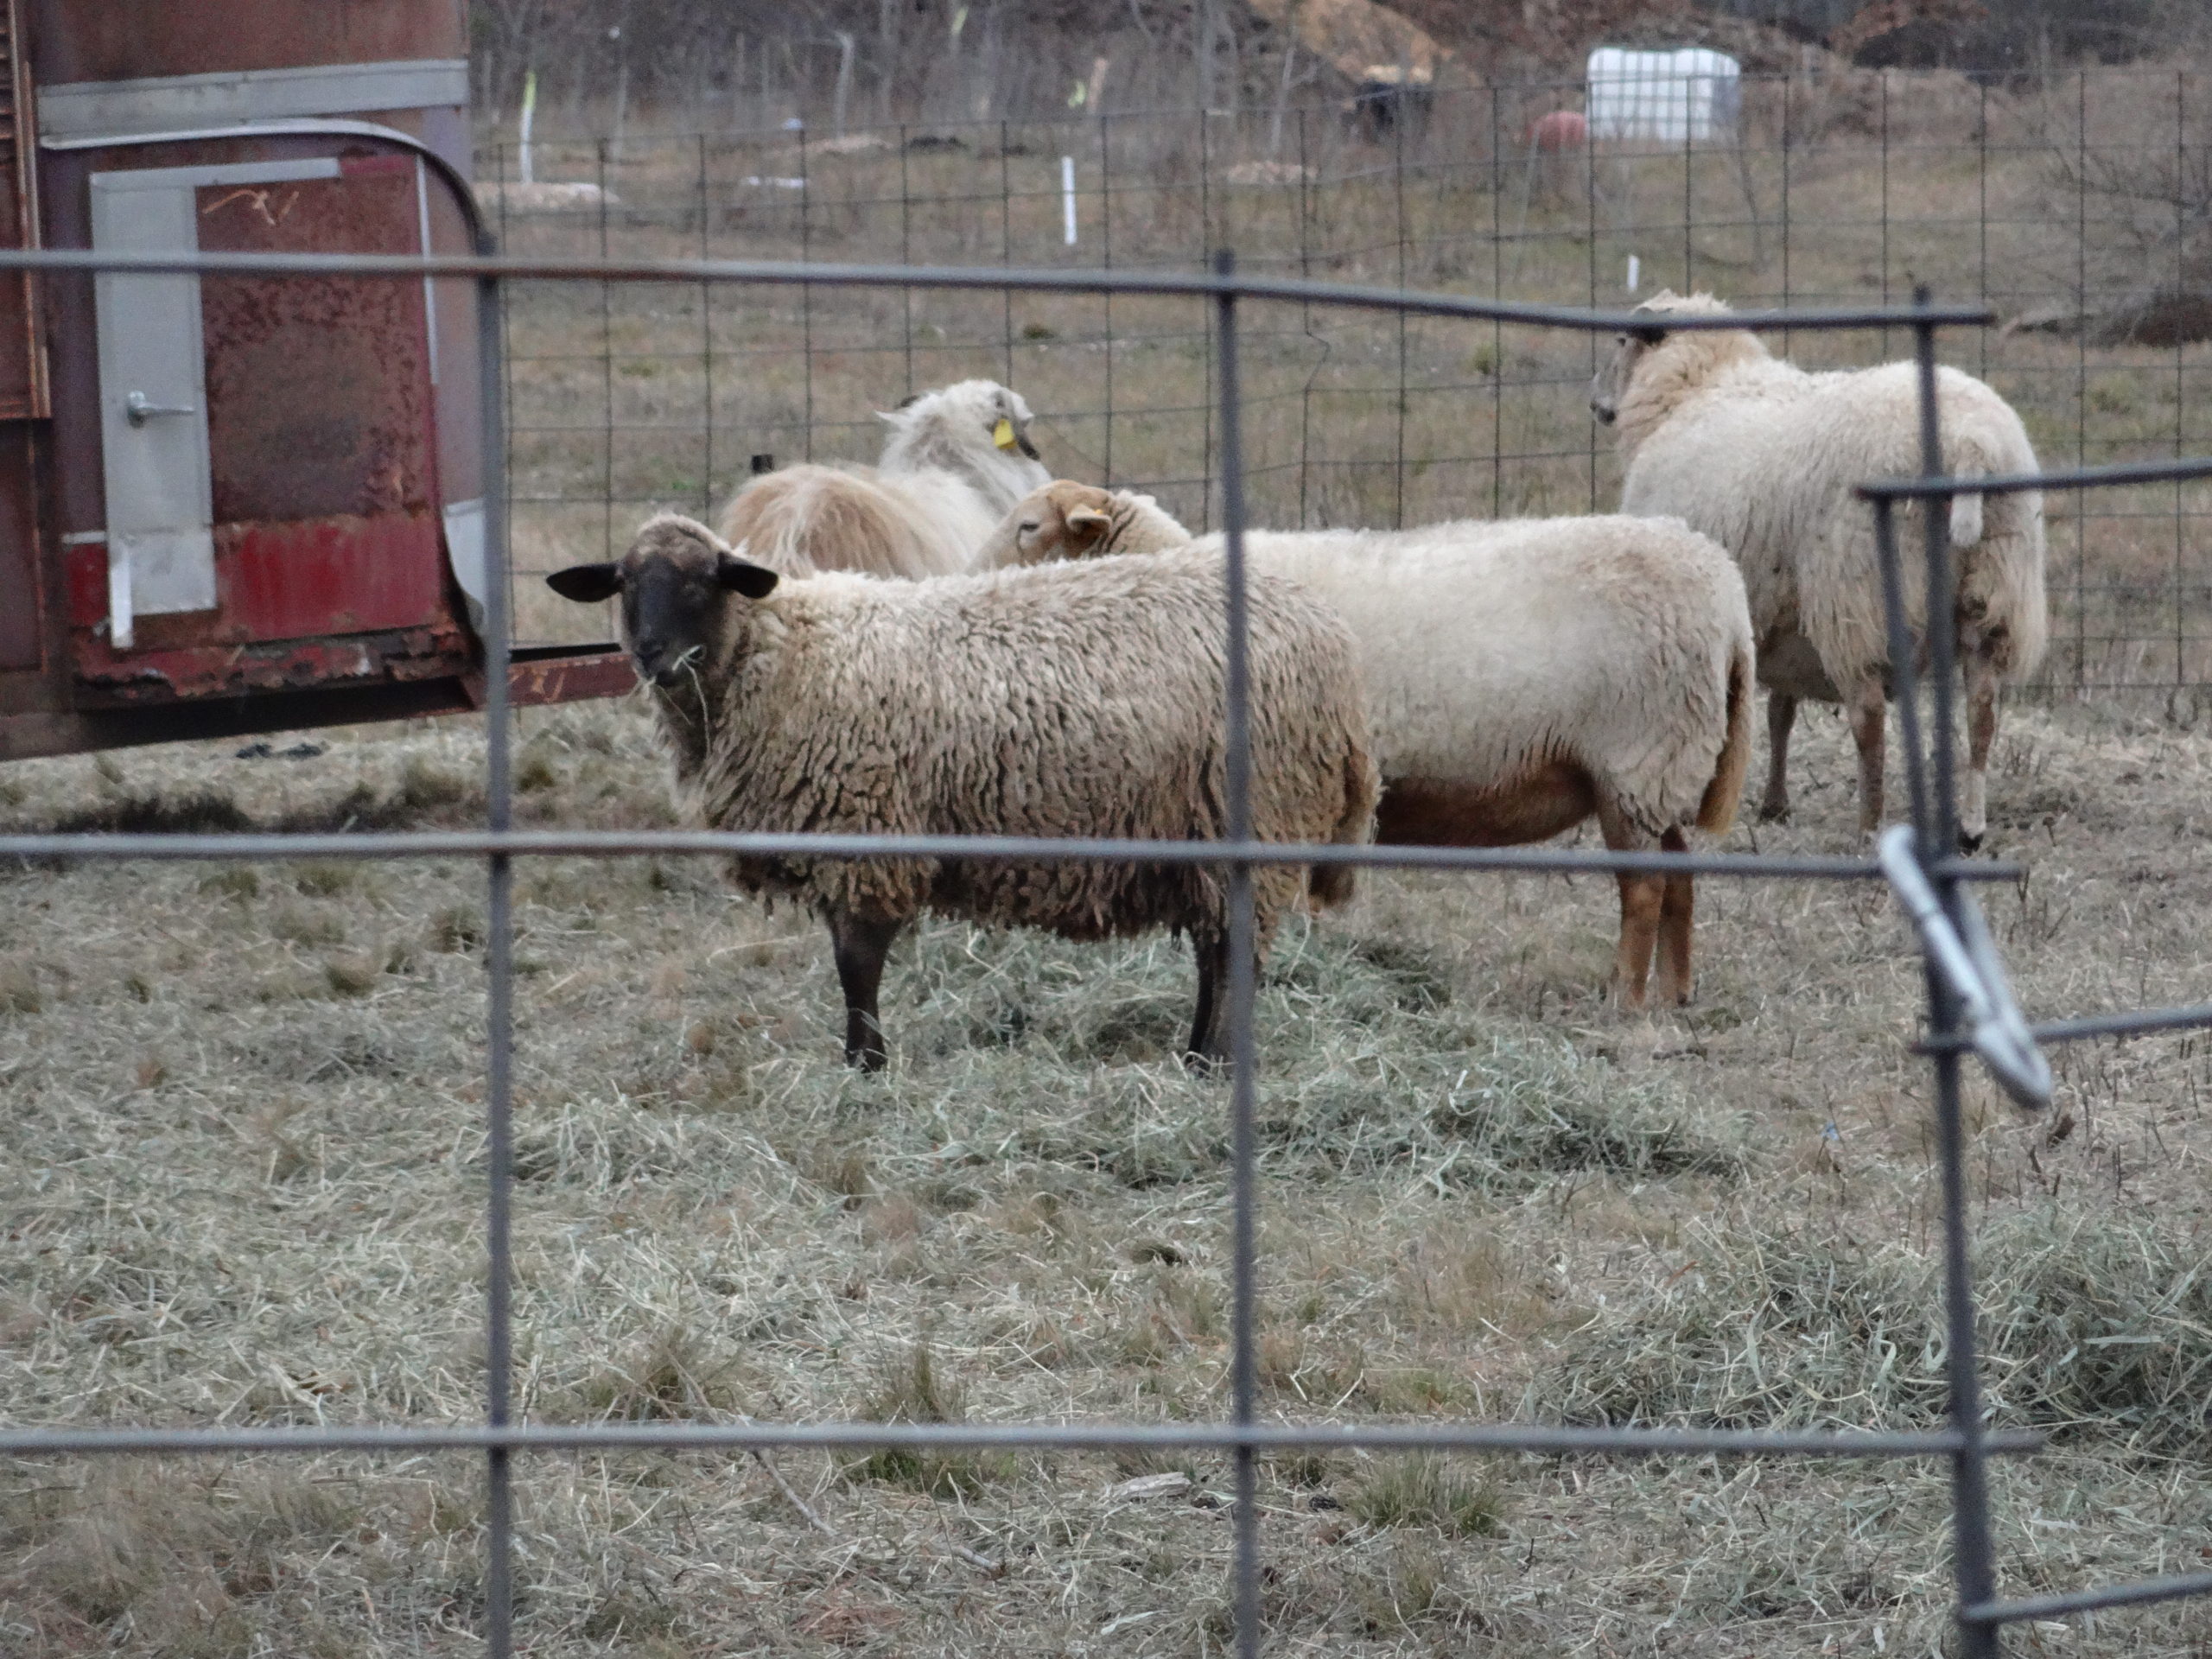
[1968,1442]
[1985,185]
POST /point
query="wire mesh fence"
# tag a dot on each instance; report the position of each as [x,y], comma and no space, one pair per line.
[2074,212]
[1970,1009]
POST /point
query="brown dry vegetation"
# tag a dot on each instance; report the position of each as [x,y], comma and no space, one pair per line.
[244,1142]
[640,399]
[243,1183]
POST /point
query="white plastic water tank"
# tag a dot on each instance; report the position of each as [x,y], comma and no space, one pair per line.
[1685,95]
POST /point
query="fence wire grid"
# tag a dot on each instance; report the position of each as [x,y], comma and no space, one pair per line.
[2076,212]
[1969,1008]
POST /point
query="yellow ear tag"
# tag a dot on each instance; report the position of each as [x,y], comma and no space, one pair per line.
[1002,434]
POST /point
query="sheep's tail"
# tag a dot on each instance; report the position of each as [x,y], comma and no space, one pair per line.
[1966,510]
[2004,614]
[1717,811]
[1328,886]
[1977,445]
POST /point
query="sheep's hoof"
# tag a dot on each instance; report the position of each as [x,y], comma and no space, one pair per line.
[1200,1064]
[1774,811]
[866,1059]
[1970,843]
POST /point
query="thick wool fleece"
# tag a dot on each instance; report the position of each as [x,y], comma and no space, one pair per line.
[1074,700]
[944,483]
[801,520]
[1494,653]
[1762,456]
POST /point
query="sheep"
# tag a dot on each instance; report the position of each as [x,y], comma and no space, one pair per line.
[1762,456]
[956,458]
[1521,676]
[1074,701]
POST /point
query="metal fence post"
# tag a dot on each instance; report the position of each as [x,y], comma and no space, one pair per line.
[1243,975]
[498,1149]
[1936,822]
[1930,756]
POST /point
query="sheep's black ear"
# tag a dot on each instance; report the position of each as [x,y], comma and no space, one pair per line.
[743,577]
[908,401]
[1648,336]
[587,583]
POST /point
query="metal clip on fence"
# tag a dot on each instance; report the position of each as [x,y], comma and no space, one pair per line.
[1966,957]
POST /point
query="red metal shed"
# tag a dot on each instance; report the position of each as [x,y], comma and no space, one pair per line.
[226,504]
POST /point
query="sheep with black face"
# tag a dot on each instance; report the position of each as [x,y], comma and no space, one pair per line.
[1070,700]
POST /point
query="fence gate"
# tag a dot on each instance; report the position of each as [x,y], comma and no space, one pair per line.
[1970,1011]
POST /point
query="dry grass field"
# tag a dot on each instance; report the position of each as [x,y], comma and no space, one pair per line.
[241,1174]
[627,401]
[241,1183]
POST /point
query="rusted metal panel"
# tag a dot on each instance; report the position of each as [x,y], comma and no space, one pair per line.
[363,599]
[129,40]
[341,419]
[342,574]
[318,389]
[323,452]
[200,670]
[567,679]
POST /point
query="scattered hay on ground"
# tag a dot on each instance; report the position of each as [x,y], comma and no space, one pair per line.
[243,1183]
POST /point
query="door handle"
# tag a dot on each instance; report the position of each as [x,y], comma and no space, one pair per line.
[138,410]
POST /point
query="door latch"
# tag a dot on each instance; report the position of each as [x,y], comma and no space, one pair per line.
[138,410]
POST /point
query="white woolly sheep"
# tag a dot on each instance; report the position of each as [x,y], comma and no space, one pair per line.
[1520,675]
[957,458]
[1762,456]
[1076,701]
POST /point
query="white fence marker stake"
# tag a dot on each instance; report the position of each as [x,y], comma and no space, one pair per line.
[1067,196]
[1634,272]
[529,109]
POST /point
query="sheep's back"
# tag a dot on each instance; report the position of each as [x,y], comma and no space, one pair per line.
[805,519]
[1767,466]
[1490,650]
[1064,701]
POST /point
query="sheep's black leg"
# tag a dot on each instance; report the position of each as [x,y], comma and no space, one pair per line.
[1207,1051]
[1781,716]
[861,948]
[1869,722]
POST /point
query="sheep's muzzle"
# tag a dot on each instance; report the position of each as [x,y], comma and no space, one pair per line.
[665,664]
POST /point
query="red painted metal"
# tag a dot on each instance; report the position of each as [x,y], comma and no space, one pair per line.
[277,582]
[166,674]
[335,441]
[343,574]
[1559,129]
[87,588]
[129,40]
[566,678]
[319,396]
[329,558]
